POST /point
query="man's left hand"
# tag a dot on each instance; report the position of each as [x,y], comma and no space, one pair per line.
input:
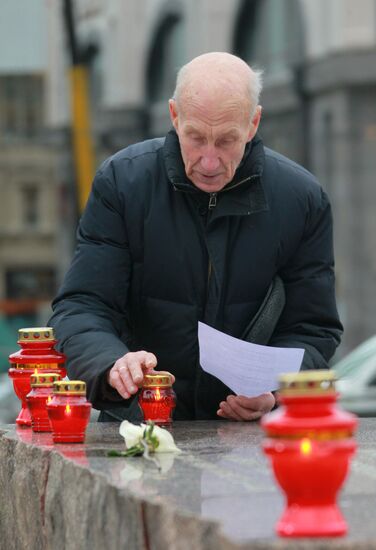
[241,408]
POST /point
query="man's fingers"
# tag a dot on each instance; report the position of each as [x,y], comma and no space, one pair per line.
[241,412]
[243,408]
[248,408]
[127,380]
[134,370]
[116,382]
[138,363]
[228,411]
[262,403]
[149,360]
[127,374]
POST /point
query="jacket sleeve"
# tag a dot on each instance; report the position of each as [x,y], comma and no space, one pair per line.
[310,319]
[90,310]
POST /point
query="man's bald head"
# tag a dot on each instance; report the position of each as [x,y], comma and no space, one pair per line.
[215,114]
[221,74]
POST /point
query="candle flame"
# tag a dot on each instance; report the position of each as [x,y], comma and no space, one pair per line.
[67,409]
[157,394]
[49,399]
[305,446]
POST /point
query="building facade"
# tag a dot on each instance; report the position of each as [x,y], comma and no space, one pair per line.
[319,108]
[29,183]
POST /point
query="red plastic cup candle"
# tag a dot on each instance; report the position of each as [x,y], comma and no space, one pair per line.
[157,399]
[37,399]
[310,444]
[37,354]
[69,411]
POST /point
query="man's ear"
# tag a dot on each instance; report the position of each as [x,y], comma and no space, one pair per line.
[255,123]
[173,113]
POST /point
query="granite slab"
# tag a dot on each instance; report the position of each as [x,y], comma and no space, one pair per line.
[218,494]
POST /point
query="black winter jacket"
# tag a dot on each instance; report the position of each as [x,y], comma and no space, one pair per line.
[153,259]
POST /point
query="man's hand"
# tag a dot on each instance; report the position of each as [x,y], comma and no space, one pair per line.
[127,374]
[241,408]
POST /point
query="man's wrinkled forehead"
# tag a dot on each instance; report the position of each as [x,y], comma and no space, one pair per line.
[213,102]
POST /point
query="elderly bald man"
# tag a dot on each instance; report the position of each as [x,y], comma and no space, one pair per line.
[194,227]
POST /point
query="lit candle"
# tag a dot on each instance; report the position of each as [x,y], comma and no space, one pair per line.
[37,354]
[310,444]
[305,446]
[37,399]
[69,411]
[157,399]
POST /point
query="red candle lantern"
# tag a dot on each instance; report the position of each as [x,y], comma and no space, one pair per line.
[310,444]
[69,411]
[157,399]
[37,399]
[37,354]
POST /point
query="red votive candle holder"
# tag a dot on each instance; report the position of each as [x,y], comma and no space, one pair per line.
[157,399]
[37,354]
[37,399]
[69,411]
[310,444]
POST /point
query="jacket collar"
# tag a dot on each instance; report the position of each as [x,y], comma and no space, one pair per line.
[243,195]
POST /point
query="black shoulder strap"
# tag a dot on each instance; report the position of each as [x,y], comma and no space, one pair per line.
[261,327]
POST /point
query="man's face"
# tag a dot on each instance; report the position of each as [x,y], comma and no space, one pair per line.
[212,138]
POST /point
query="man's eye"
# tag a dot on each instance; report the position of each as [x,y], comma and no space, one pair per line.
[197,139]
[227,141]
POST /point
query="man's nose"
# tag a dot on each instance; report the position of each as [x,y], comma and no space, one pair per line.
[210,161]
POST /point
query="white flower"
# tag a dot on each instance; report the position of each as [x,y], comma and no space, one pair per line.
[131,433]
[166,441]
[134,434]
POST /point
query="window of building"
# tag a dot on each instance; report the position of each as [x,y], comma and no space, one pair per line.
[30,282]
[167,56]
[21,105]
[268,34]
[30,205]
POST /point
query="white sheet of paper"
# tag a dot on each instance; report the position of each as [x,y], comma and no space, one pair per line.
[247,369]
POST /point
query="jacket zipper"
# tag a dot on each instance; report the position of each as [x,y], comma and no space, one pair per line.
[212,201]
[208,282]
[213,196]
[213,204]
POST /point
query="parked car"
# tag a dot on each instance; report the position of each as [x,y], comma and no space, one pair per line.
[356,383]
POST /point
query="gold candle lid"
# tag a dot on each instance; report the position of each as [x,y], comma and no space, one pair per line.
[44,380]
[309,382]
[162,380]
[37,366]
[70,387]
[36,334]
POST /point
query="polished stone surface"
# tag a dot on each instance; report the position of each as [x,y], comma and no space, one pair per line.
[219,493]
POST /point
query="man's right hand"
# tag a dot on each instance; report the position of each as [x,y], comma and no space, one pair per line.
[127,374]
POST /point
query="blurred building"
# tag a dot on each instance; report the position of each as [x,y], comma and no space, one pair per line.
[29,183]
[319,59]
